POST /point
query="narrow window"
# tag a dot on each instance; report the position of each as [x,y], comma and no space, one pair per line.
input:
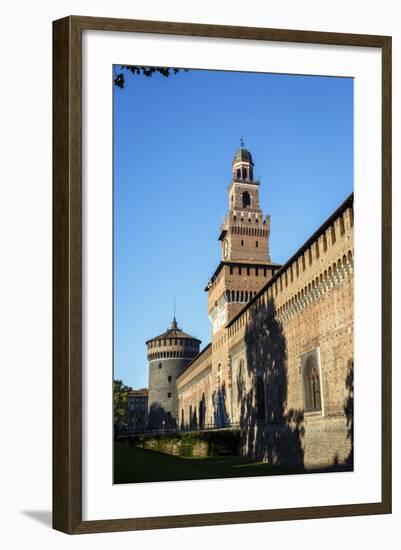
[248,271]
[244,173]
[311,383]
[160,365]
[246,199]
[169,378]
[242,243]
[342,227]
[257,244]
[231,270]
[333,235]
[238,174]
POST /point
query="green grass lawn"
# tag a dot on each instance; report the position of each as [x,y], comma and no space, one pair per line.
[134,465]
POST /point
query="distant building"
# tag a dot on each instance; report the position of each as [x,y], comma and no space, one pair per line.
[137,410]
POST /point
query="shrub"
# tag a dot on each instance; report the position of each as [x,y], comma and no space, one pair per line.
[201,444]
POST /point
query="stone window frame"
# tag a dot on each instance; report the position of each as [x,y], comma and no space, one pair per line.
[236,355]
[314,353]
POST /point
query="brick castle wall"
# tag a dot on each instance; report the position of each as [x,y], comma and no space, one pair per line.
[303,313]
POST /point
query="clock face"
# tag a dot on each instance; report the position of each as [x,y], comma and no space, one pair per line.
[225,248]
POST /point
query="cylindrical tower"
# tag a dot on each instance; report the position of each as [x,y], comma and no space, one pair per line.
[168,354]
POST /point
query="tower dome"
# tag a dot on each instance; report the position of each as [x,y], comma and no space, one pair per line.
[243,154]
[242,164]
[168,354]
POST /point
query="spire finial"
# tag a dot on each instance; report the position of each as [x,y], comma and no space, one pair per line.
[174,323]
[242,142]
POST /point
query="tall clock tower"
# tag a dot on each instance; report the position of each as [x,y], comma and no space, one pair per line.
[245,231]
[245,265]
[244,269]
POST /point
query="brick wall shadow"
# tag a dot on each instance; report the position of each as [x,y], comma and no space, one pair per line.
[268,431]
[349,412]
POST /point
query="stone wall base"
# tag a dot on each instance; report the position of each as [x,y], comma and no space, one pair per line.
[315,443]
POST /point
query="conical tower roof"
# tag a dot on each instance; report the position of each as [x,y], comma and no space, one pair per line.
[173,332]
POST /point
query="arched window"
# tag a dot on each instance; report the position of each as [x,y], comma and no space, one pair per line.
[202,411]
[311,383]
[246,199]
[194,419]
[239,174]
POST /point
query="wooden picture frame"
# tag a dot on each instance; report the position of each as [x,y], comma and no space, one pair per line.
[67,274]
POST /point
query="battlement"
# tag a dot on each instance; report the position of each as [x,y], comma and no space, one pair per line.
[204,358]
[242,218]
[240,268]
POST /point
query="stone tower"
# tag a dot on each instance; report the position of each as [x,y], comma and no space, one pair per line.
[245,231]
[244,235]
[244,269]
[168,355]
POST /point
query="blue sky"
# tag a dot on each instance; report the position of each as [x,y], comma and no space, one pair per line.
[174,140]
